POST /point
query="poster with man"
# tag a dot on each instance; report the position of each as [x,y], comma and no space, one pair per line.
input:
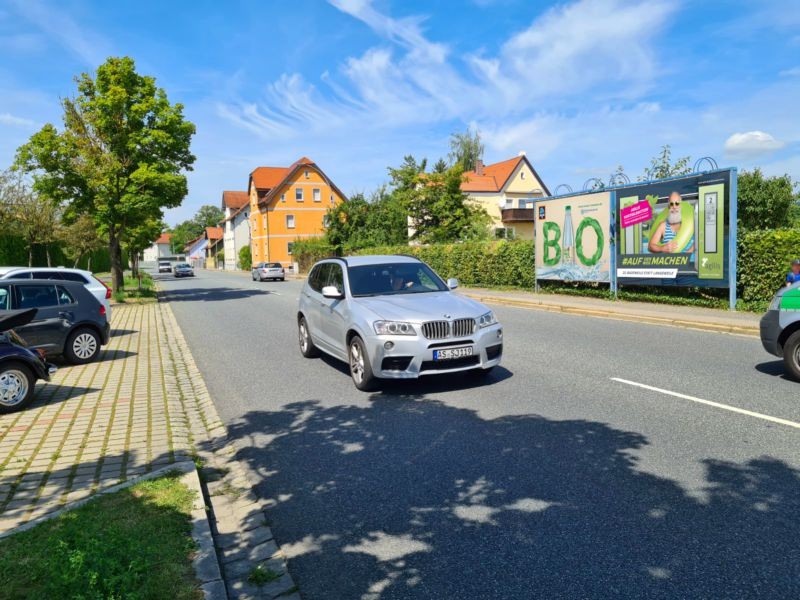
[674,232]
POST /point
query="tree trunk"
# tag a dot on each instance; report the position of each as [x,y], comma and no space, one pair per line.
[30,256]
[115,252]
[89,263]
[47,252]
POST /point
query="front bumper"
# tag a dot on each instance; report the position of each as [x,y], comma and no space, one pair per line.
[412,356]
[770,327]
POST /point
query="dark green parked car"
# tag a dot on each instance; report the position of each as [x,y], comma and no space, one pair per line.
[780,328]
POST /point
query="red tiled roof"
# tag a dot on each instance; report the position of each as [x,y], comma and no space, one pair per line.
[266,178]
[214,233]
[235,200]
[494,176]
[164,238]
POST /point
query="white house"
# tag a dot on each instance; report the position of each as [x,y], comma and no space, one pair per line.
[160,249]
[236,226]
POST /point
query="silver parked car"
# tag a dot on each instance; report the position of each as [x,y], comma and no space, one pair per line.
[393,317]
[263,271]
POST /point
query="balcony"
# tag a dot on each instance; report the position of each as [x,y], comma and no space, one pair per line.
[516,215]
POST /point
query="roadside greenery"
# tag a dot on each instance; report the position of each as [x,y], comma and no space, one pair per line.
[183,233]
[135,543]
[245,258]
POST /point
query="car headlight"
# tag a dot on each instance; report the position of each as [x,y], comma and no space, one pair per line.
[487,319]
[394,328]
[776,302]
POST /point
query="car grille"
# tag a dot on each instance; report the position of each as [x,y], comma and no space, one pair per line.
[438,330]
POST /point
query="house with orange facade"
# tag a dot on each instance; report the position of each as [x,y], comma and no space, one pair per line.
[286,204]
[507,190]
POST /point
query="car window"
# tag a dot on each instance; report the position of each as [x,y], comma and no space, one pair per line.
[393,278]
[318,277]
[64,297]
[275,265]
[23,275]
[5,297]
[37,296]
[47,275]
[336,277]
[74,277]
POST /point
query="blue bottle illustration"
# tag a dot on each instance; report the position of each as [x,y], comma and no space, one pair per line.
[568,239]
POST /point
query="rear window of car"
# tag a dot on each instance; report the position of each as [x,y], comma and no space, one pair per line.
[67,276]
[275,265]
[47,275]
[64,297]
[37,296]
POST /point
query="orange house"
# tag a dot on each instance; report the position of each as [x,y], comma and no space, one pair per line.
[287,203]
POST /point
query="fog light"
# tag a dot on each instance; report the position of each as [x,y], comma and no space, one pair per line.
[499,334]
[388,345]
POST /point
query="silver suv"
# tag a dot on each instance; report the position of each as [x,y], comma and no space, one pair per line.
[393,317]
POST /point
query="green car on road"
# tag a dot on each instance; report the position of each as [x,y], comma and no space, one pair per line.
[780,328]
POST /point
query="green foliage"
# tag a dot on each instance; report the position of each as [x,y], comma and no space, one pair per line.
[764,259]
[480,264]
[764,202]
[120,157]
[245,258]
[208,215]
[92,553]
[309,250]
[261,575]
[466,149]
[661,166]
[80,238]
[360,223]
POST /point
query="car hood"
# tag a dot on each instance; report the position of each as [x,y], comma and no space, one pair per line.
[430,306]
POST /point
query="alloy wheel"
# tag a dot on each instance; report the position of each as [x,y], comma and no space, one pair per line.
[356,362]
[13,387]
[303,336]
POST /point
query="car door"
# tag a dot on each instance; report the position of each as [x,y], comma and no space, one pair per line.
[50,327]
[334,310]
[313,301]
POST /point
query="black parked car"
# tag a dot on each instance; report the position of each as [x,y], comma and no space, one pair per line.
[19,366]
[70,321]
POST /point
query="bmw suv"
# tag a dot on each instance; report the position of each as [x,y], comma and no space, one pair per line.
[392,317]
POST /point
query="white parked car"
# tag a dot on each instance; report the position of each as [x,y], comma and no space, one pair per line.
[98,289]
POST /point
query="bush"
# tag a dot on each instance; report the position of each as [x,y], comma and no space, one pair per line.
[245,259]
[763,261]
[309,250]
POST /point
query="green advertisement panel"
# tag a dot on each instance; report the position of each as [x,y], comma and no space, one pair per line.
[572,238]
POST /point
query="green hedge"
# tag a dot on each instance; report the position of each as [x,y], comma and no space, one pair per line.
[14,252]
[763,261]
[481,264]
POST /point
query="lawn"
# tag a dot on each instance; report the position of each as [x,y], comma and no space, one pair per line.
[132,290]
[135,543]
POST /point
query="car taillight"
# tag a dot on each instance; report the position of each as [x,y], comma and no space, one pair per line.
[108,289]
[102,310]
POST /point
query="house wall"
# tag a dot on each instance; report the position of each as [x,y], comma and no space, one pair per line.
[156,251]
[241,235]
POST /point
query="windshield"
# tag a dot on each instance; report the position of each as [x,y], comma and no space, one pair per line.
[393,278]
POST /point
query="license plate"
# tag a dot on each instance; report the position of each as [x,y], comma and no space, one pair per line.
[451,353]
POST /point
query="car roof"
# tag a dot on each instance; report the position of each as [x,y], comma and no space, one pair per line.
[379,259]
[6,270]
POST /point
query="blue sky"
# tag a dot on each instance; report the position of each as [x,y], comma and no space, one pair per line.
[580,86]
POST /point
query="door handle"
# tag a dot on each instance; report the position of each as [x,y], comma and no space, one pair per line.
[64,314]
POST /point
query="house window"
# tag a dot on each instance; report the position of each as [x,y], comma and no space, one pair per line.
[283,197]
[522,174]
[298,194]
[307,174]
[504,233]
[326,220]
[317,195]
[290,247]
[289,221]
[332,200]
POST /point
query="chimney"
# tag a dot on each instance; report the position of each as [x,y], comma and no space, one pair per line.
[521,153]
[479,167]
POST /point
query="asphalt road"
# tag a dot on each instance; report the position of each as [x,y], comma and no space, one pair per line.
[551,479]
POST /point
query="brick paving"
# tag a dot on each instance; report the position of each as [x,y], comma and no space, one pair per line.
[142,406]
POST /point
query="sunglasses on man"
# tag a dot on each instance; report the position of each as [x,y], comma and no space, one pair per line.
[675,203]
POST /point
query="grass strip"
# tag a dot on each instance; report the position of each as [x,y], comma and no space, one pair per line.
[135,543]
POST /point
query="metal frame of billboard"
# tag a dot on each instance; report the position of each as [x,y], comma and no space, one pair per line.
[613,189]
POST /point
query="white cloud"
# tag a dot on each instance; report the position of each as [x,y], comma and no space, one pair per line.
[9,119]
[751,144]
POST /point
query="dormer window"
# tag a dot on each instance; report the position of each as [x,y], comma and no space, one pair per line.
[522,174]
[307,174]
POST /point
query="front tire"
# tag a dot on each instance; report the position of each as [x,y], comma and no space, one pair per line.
[307,347]
[791,355]
[360,368]
[16,386]
[83,346]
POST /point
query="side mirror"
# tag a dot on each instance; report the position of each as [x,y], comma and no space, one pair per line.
[452,283]
[331,291]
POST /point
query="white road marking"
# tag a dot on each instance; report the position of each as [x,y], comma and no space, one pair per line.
[741,411]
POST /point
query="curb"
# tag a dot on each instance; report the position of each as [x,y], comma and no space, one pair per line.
[619,316]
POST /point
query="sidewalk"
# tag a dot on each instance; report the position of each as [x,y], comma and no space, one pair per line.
[706,319]
[142,407]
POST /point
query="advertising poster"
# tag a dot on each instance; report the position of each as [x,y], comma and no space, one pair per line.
[674,232]
[573,238]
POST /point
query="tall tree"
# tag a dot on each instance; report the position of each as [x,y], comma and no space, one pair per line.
[32,217]
[121,156]
[80,238]
[208,215]
[765,202]
[466,149]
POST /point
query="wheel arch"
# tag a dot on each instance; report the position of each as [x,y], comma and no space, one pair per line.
[787,333]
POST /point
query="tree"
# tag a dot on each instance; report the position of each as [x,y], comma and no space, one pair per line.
[765,202]
[80,238]
[208,216]
[29,215]
[245,258]
[139,237]
[661,166]
[466,149]
[359,223]
[121,156]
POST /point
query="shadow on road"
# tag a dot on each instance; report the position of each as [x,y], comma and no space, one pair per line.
[776,368]
[210,294]
[416,499]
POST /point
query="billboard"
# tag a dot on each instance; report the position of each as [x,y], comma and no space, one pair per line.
[573,241]
[675,231]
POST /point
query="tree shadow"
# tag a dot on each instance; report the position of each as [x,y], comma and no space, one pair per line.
[415,499]
[209,294]
[122,332]
[106,354]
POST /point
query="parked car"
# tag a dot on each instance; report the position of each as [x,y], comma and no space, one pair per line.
[780,328]
[263,271]
[100,290]
[183,270]
[70,320]
[393,317]
[164,266]
[20,367]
